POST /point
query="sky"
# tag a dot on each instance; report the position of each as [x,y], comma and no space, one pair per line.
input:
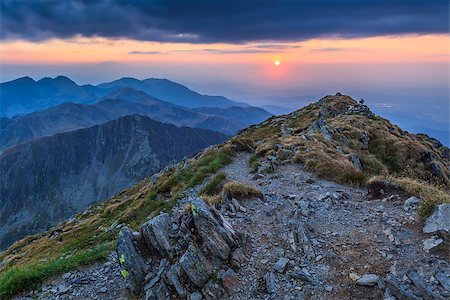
[394,54]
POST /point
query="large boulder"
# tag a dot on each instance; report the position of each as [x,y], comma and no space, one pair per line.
[156,234]
[196,267]
[439,221]
[133,265]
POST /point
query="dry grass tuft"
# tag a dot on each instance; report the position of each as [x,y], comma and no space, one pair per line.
[430,194]
[240,190]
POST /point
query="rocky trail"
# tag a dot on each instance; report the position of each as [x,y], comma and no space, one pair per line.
[306,238]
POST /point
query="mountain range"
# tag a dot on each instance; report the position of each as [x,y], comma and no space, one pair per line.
[46,180]
[330,198]
[25,95]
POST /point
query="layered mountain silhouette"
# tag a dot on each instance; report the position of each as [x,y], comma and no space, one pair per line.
[25,95]
[46,180]
[72,116]
[170,91]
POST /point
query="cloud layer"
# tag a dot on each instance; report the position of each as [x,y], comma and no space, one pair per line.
[226,21]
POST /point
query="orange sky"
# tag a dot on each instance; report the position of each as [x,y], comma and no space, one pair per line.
[408,49]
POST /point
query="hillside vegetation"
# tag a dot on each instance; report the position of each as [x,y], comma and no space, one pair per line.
[336,138]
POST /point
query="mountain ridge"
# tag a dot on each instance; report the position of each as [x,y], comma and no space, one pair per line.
[69,171]
[291,159]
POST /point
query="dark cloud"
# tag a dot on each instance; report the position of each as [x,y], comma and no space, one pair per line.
[146,52]
[228,21]
[330,49]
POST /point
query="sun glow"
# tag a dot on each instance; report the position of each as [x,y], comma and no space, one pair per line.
[277,63]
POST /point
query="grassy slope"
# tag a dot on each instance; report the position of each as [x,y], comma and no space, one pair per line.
[91,235]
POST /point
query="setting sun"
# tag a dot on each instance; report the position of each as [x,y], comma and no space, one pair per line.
[277,63]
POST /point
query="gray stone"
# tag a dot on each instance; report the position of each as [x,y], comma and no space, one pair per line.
[174,280]
[439,221]
[431,243]
[421,287]
[103,290]
[238,258]
[156,234]
[367,280]
[230,281]
[411,202]
[354,158]
[196,296]
[161,292]
[443,279]
[270,283]
[303,274]
[195,266]
[280,265]
[395,286]
[304,242]
[212,291]
[133,266]
[388,295]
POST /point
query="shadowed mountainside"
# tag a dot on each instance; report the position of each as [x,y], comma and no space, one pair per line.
[49,179]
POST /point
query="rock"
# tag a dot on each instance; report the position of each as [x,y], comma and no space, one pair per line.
[156,234]
[133,266]
[238,258]
[354,158]
[230,281]
[320,125]
[161,292]
[354,276]
[443,279]
[270,283]
[422,289]
[432,242]
[103,290]
[63,289]
[303,274]
[280,265]
[304,206]
[394,285]
[439,221]
[304,241]
[367,280]
[196,296]
[388,295]
[328,288]
[212,239]
[411,202]
[174,280]
[195,266]
[212,291]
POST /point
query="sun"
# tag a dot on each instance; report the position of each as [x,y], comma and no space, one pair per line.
[277,63]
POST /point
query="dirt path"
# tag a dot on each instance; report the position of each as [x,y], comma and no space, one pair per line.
[349,233]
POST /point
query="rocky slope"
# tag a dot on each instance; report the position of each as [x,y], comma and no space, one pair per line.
[276,227]
[49,179]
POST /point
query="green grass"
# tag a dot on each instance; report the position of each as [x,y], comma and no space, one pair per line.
[25,278]
[213,185]
[188,177]
[253,163]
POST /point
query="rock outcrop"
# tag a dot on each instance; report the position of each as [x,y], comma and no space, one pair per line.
[182,255]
